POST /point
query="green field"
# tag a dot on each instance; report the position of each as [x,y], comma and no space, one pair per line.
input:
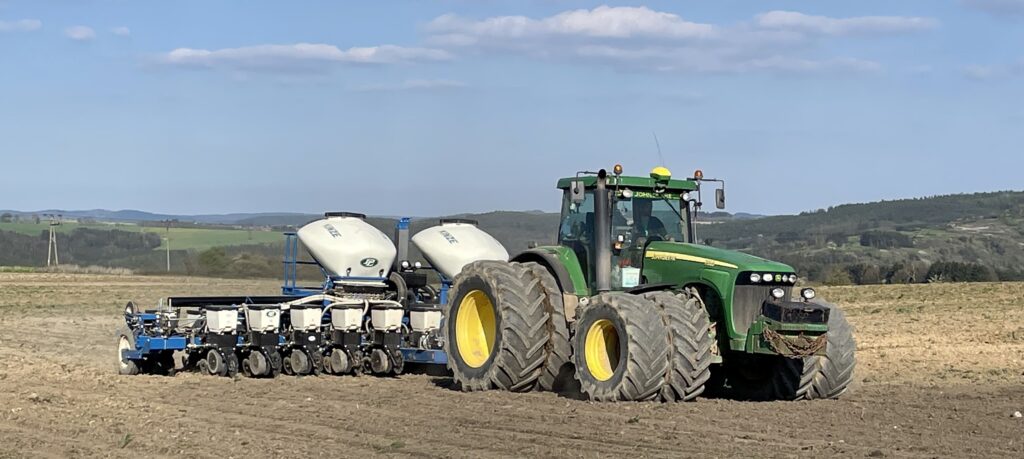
[181,238]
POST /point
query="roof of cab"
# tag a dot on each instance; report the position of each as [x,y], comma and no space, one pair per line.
[633,182]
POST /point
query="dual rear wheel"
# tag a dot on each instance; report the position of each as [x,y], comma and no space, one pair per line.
[644,347]
[497,327]
[506,329]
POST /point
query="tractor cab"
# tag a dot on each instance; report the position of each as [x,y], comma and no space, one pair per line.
[624,215]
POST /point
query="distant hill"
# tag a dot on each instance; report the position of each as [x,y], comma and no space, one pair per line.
[889,240]
[141,216]
[980,234]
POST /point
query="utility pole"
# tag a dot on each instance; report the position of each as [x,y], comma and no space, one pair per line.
[51,248]
[168,239]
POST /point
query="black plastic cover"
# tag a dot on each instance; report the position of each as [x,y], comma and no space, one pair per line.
[795,312]
[460,220]
[414,280]
[345,214]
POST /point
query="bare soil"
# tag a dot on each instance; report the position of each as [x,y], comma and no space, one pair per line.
[940,372]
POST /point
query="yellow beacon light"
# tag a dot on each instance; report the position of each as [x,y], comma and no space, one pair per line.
[617,169]
[661,174]
[698,174]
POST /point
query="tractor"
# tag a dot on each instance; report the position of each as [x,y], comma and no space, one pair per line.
[628,306]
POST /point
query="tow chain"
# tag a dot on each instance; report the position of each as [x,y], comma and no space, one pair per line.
[795,347]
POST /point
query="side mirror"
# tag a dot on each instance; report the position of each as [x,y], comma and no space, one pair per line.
[576,192]
[720,198]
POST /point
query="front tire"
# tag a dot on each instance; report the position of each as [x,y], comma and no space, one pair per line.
[620,348]
[496,327]
[763,378]
[829,376]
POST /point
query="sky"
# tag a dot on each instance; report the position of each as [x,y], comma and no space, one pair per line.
[440,107]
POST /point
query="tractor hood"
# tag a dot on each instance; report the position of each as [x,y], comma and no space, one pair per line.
[712,257]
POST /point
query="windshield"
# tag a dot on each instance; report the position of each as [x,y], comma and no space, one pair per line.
[654,218]
[646,216]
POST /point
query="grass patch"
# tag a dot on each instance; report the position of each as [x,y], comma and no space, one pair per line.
[181,238]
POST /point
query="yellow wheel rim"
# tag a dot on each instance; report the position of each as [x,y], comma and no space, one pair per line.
[475,328]
[601,349]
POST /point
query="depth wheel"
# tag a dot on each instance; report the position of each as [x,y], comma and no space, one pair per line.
[338,362]
[298,362]
[215,363]
[620,348]
[125,343]
[496,327]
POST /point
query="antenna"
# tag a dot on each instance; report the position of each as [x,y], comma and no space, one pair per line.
[658,144]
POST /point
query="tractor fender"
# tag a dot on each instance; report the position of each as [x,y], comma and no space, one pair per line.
[551,262]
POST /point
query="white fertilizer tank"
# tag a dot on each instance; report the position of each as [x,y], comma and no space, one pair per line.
[349,248]
[456,243]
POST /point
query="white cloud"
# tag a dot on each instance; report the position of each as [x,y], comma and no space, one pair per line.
[993,72]
[23,25]
[645,39]
[981,72]
[601,22]
[997,7]
[298,57]
[414,85]
[121,31]
[863,25]
[80,33]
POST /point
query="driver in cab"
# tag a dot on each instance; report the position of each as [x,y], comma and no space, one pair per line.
[646,227]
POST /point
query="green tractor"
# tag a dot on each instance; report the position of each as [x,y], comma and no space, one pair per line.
[628,306]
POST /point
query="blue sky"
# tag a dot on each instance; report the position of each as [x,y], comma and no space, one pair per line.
[435,107]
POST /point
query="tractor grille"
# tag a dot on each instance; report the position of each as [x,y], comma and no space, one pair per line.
[747,301]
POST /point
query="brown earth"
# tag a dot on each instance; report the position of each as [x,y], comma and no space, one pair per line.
[939,375]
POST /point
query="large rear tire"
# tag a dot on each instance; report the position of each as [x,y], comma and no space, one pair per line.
[558,374]
[496,327]
[690,344]
[620,348]
[829,376]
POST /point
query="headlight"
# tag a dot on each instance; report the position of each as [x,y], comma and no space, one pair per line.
[808,293]
[755,278]
[686,196]
[792,278]
[767,277]
[778,293]
[417,265]
[627,193]
[405,264]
